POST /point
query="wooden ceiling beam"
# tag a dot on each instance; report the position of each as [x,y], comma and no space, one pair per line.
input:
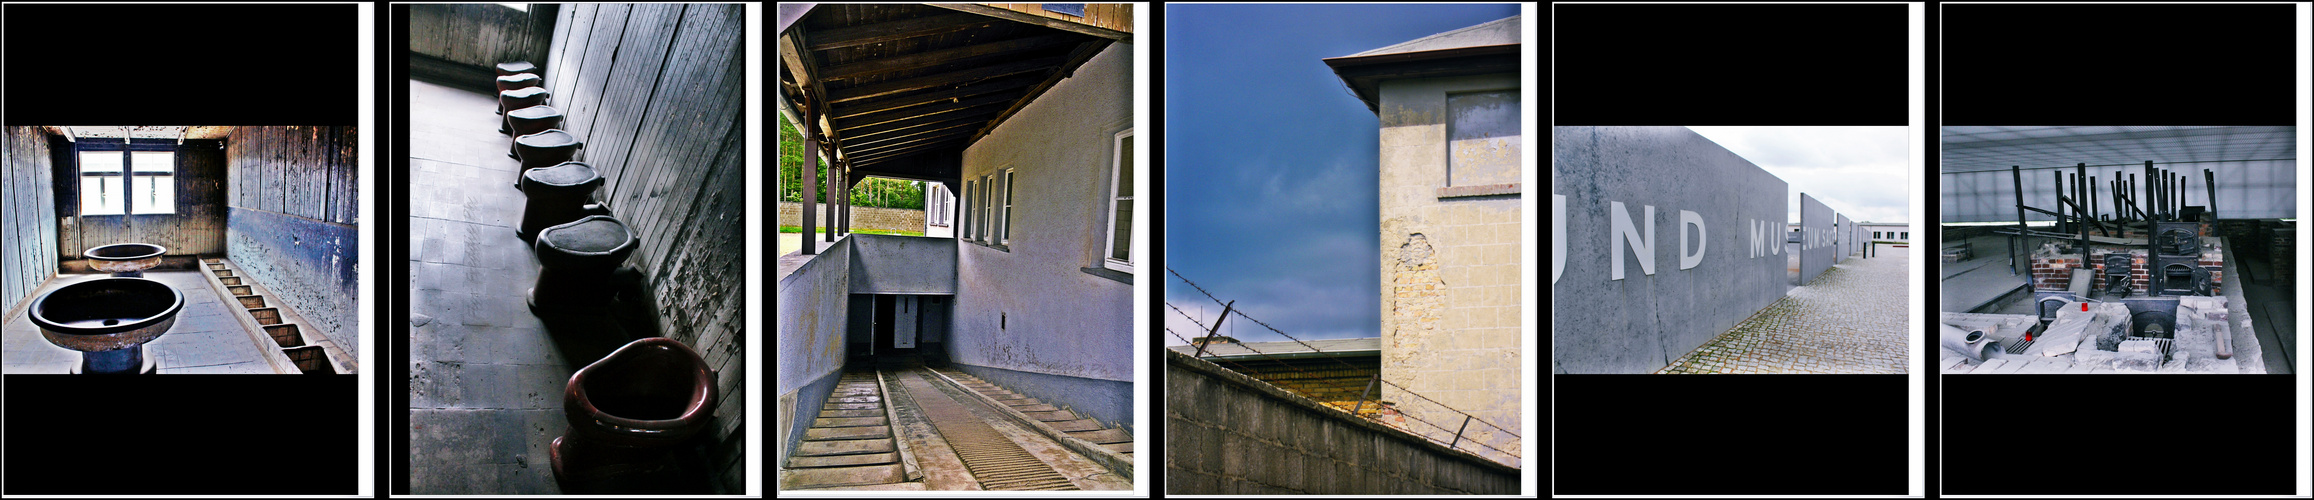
[869,34]
[905,143]
[800,66]
[921,111]
[1023,17]
[921,98]
[945,56]
[862,142]
[950,78]
[895,153]
[1077,57]
[905,131]
[917,122]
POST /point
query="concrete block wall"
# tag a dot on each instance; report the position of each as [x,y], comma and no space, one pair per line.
[1228,434]
[1658,307]
[814,306]
[1450,259]
[877,218]
[1031,306]
[1817,253]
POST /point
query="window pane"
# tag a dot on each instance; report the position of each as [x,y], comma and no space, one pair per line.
[153,161]
[1483,138]
[1121,232]
[1125,168]
[1007,227]
[101,195]
[100,161]
[155,194]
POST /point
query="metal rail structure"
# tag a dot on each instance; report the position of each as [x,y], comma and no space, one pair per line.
[1229,307]
[2164,202]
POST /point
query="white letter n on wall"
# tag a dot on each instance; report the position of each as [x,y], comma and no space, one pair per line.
[1642,244]
[1687,260]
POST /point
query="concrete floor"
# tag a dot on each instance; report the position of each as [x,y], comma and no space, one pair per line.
[485,378]
[207,339]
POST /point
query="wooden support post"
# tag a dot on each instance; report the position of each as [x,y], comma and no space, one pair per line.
[811,171]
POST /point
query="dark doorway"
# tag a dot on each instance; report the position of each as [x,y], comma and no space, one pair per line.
[883,323]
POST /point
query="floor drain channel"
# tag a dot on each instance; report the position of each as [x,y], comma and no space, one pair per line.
[2165,345]
[2019,347]
[995,460]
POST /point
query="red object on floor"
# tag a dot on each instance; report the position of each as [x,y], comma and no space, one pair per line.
[2084,307]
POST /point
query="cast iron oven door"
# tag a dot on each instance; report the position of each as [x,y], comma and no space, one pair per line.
[2177,242]
[2117,270]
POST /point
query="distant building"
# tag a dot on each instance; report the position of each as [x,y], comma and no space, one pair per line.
[1450,225]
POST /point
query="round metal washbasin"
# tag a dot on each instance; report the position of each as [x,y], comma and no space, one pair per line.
[106,314]
[125,259]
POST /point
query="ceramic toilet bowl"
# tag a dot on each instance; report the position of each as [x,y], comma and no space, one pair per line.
[520,98]
[575,262]
[558,195]
[544,149]
[531,120]
[628,410]
[519,80]
[515,68]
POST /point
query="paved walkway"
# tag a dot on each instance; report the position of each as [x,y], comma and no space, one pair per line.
[1852,319]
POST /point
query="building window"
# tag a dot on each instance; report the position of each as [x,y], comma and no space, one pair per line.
[1904,235]
[936,209]
[120,182]
[966,214]
[1482,138]
[1004,215]
[1119,255]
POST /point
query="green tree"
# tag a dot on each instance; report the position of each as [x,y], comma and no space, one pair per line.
[872,192]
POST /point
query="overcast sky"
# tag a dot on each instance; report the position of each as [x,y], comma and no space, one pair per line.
[1270,163]
[1861,172]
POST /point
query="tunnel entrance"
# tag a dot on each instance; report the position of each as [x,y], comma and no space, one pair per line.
[899,326]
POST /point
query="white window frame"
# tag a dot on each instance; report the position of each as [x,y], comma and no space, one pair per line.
[128,175]
[1109,237]
[1004,211]
[964,216]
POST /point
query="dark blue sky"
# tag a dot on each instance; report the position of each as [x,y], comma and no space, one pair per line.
[1270,161]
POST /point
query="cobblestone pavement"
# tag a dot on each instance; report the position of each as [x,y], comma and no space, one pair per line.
[1852,319]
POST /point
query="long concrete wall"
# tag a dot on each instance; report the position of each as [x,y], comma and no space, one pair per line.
[1817,252]
[903,264]
[1032,305]
[1845,237]
[1661,241]
[814,302]
[1228,434]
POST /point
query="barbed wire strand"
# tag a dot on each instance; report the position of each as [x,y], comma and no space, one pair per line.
[1209,295]
[1401,411]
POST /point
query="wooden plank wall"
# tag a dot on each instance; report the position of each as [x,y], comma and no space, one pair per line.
[482,34]
[29,222]
[1116,16]
[198,227]
[656,91]
[291,220]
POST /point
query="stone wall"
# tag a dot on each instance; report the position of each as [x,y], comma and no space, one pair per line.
[1226,433]
[1450,259]
[876,218]
[1662,240]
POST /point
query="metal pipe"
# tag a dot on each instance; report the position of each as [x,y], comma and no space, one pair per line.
[2081,171]
[2150,212]
[1971,343]
[2210,182]
[2017,243]
[2060,200]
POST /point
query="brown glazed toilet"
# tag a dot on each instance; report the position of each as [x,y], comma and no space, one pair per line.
[628,410]
[516,68]
[544,149]
[558,195]
[519,80]
[575,260]
[531,120]
[520,98]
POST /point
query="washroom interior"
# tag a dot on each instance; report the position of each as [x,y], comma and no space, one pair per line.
[256,226]
[653,95]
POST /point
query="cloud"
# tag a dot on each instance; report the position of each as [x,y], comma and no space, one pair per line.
[1861,172]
